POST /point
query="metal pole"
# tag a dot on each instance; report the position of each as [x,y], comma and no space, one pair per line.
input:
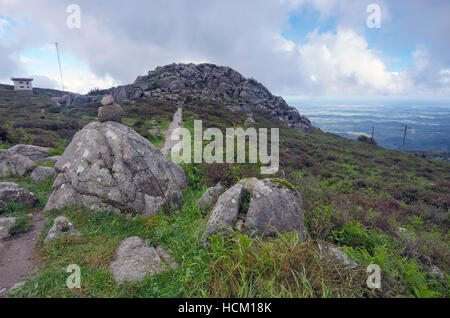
[59,63]
[404,137]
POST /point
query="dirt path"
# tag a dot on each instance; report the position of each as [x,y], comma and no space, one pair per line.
[17,255]
[176,123]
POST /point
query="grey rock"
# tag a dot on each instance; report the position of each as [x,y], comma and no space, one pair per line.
[110,166]
[123,93]
[14,164]
[59,101]
[77,99]
[225,213]
[274,208]
[135,260]
[209,198]
[336,254]
[40,174]
[5,225]
[34,153]
[12,193]
[61,227]
[107,100]
[110,113]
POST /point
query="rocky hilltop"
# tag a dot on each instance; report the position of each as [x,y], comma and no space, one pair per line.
[179,82]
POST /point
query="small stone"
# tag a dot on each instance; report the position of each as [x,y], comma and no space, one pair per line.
[5,225]
[136,260]
[107,100]
[61,227]
[12,192]
[209,198]
[337,254]
[40,174]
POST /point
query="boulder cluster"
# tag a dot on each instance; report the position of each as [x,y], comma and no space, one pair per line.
[257,207]
[71,99]
[181,82]
[20,160]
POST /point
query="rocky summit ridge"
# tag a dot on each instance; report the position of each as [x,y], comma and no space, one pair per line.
[181,82]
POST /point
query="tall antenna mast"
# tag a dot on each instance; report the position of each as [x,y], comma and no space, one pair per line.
[59,63]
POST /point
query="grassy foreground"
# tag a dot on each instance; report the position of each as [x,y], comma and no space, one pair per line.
[236,266]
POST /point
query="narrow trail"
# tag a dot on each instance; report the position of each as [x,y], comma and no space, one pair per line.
[176,123]
[17,257]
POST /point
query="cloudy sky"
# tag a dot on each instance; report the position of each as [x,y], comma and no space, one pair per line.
[294,47]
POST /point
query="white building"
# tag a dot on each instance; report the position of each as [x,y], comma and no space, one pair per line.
[23,85]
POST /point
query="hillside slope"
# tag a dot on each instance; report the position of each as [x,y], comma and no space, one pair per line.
[380,206]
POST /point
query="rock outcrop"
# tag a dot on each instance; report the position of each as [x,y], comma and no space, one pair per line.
[14,164]
[177,82]
[209,198]
[32,152]
[273,207]
[110,166]
[40,174]
[13,193]
[61,227]
[135,260]
[71,99]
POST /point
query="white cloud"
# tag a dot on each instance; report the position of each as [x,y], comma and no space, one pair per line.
[3,25]
[342,63]
[120,42]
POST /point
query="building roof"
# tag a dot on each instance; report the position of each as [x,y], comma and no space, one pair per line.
[21,79]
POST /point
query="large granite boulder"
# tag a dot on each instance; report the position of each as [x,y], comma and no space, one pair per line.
[40,174]
[110,166]
[274,206]
[61,227]
[135,260]
[14,164]
[32,152]
[13,193]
